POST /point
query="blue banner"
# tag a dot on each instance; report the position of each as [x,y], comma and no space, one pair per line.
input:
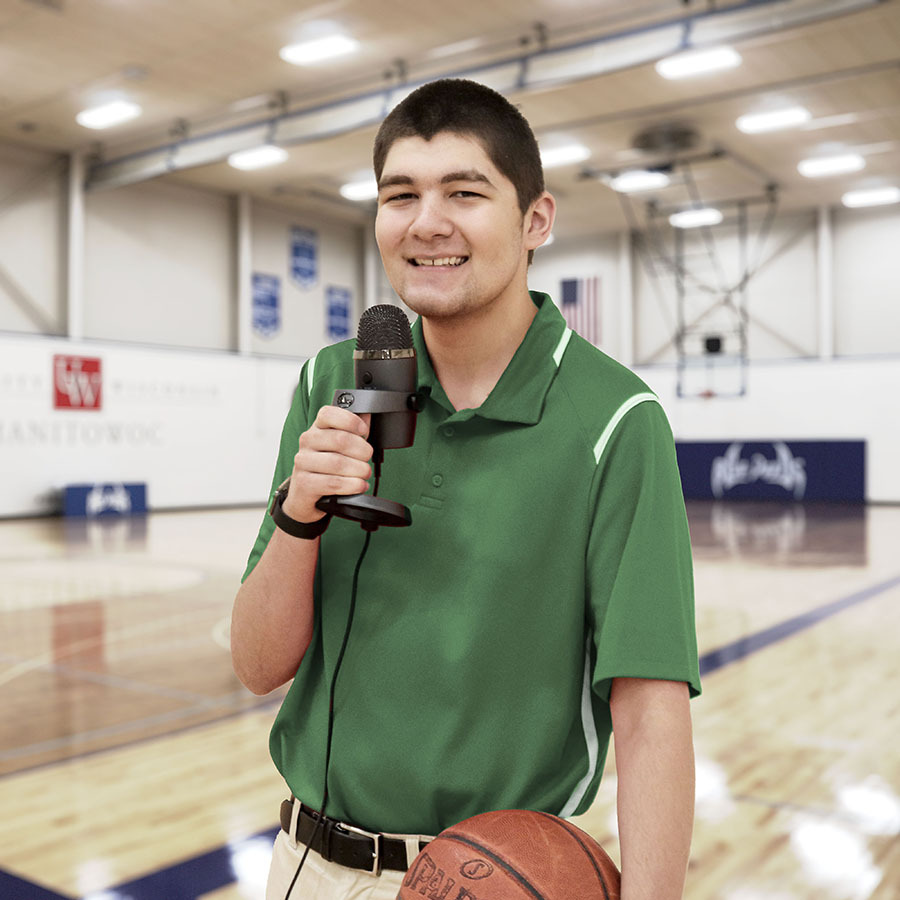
[266,304]
[337,312]
[773,470]
[104,499]
[304,257]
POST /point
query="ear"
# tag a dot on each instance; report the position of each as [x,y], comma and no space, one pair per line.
[539,220]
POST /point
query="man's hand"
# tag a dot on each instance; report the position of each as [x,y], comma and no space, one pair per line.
[332,458]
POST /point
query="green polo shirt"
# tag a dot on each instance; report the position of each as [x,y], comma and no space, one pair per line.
[548,554]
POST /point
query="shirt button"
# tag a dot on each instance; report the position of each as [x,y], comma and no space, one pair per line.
[448,431]
[437,480]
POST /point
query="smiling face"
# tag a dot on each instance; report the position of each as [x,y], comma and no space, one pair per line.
[451,234]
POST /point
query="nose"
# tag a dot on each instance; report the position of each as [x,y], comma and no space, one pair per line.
[431,219]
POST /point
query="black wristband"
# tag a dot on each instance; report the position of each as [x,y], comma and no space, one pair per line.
[307,530]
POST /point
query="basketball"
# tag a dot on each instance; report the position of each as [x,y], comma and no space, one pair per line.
[512,854]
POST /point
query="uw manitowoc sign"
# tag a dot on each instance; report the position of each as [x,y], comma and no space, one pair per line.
[773,470]
[77,382]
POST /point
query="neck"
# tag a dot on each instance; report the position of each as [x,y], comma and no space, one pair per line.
[470,353]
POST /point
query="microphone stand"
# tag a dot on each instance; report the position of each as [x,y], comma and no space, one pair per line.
[367,509]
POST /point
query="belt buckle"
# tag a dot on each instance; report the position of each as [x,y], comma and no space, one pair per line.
[376,843]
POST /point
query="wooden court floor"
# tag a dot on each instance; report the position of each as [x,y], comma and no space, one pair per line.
[134,765]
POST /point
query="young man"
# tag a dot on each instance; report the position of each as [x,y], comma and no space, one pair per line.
[542,596]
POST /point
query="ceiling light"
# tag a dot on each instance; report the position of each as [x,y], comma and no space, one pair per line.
[822,166]
[639,180]
[755,123]
[308,53]
[695,218]
[564,155]
[108,114]
[698,62]
[258,157]
[360,190]
[871,197]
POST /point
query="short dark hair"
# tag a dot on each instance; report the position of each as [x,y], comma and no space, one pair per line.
[468,108]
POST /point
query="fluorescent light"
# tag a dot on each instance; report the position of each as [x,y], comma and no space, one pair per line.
[360,190]
[698,62]
[639,180]
[755,123]
[563,156]
[695,218]
[108,114]
[871,197]
[823,166]
[258,157]
[308,53]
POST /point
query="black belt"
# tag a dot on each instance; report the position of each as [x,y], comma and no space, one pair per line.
[346,844]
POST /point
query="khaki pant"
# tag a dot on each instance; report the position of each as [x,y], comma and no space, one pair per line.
[322,880]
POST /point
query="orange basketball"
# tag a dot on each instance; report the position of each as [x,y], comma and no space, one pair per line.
[512,854]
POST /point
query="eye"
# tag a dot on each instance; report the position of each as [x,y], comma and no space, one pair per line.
[395,198]
[466,194]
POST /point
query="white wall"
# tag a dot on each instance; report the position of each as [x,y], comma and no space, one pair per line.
[199,421]
[340,261]
[158,266]
[32,241]
[200,429]
[841,399]
[867,281]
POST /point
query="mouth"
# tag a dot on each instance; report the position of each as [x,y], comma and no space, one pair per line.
[449,261]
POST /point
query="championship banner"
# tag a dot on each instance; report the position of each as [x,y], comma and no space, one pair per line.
[773,470]
[266,304]
[304,257]
[337,312]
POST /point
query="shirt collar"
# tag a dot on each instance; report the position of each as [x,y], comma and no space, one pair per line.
[521,390]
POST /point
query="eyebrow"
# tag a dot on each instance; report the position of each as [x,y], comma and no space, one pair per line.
[470,175]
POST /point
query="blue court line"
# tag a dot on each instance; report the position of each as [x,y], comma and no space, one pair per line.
[743,647]
[213,870]
[14,888]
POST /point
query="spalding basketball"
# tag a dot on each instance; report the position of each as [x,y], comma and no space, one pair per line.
[512,854]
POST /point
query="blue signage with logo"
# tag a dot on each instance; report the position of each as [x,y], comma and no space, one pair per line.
[337,312]
[773,470]
[304,257]
[266,304]
[105,499]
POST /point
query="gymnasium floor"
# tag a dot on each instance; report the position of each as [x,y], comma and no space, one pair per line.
[134,765]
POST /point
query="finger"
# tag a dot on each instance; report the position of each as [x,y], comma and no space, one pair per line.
[333,440]
[331,464]
[333,417]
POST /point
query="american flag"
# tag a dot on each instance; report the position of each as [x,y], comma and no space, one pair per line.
[581,306]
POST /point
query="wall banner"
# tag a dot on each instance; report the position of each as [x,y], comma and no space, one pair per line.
[105,499]
[266,304]
[337,312]
[304,257]
[773,470]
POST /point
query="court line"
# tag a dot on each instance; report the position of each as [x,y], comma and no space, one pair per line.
[125,727]
[751,643]
[213,870]
[16,888]
[108,680]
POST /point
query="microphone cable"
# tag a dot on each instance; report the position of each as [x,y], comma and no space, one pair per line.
[334,678]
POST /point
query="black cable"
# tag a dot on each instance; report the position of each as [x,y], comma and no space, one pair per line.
[334,677]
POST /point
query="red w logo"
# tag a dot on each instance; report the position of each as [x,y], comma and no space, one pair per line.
[77,382]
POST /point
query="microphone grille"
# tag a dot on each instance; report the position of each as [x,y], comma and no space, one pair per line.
[384,327]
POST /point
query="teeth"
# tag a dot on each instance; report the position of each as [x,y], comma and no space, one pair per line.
[443,261]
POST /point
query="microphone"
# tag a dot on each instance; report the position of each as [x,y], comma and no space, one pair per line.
[384,365]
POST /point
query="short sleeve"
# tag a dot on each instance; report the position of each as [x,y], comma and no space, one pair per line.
[639,567]
[294,425]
